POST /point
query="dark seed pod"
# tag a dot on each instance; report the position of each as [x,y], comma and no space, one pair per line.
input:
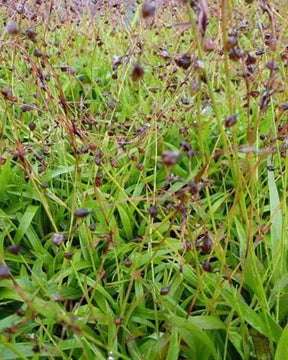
[153,211]
[32,126]
[138,72]
[98,160]
[12,28]
[2,160]
[183,61]
[283,107]
[270,168]
[113,162]
[36,349]
[31,33]
[165,290]
[170,158]
[45,185]
[128,263]
[206,266]
[230,120]
[13,249]
[140,167]
[103,274]
[208,45]
[68,255]
[82,213]
[92,227]
[4,272]
[204,243]
[147,10]
[20,312]
[231,42]
[37,53]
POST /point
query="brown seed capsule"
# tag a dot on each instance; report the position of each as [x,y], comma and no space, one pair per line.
[204,243]
[82,213]
[113,162]
[183,61]
[32,126]
[147,9]
[12,28]
[138,72]
[45,185]
[208,45]
[13,249]
[206,266]
[4,272]
[283,107]
[36,349]
[103,274]
[20,312]
[231,42]
[128,263]
[31,34]
[230,120]
[2,160]
[153,211]
[140,166]
[170,158]
[37,53]
[68,255]
[165,290]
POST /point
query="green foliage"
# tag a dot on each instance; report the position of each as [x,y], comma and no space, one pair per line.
[143,208]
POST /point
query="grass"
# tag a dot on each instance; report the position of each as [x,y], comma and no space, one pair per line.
[143,197]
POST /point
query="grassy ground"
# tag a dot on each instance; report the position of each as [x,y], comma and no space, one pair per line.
[143,182]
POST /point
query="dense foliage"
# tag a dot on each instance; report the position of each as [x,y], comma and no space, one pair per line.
[143,180]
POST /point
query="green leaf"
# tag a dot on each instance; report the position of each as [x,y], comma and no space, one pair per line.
[281,351]
[173,350]
[25,222]
[196,332]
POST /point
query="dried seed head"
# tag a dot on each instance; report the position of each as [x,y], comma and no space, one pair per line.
[57,239]
[4,272]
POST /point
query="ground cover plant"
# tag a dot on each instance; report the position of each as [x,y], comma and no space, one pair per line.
[143,181]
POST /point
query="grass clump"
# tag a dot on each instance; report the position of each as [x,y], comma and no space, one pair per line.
[143,197]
